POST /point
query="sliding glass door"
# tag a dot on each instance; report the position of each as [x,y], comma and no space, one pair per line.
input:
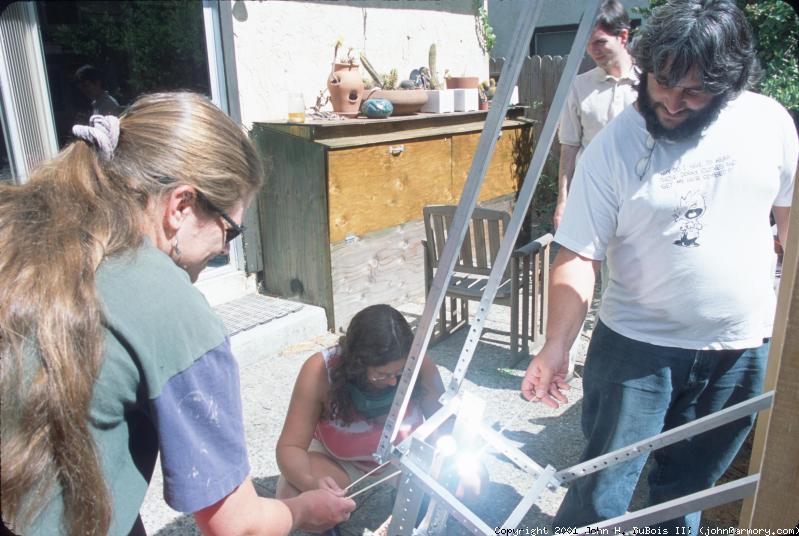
[81,57]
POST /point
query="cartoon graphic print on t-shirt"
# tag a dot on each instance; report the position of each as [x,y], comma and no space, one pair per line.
[689,215]
[689,180]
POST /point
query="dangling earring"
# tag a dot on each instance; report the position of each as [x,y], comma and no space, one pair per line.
[176,249]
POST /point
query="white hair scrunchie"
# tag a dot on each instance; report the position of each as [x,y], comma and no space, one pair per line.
[102,131]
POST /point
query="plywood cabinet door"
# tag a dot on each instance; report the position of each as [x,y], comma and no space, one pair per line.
[380,186]
[501,175]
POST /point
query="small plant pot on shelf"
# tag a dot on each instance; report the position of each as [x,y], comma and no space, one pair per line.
[466,100]
[462,82]
[439,101]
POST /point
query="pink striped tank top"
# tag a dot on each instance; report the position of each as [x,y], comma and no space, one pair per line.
[358,440]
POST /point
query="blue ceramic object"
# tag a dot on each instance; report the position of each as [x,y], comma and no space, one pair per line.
[377,108]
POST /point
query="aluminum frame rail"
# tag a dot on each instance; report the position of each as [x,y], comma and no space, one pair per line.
[526,192]
[701,500]
[669,437]
[420,476]
[522,35]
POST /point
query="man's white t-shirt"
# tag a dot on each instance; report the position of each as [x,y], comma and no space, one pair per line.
[688,243]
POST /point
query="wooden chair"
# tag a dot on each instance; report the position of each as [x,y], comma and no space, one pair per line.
[524,286]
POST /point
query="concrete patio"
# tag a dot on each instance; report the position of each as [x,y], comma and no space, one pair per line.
[545,435]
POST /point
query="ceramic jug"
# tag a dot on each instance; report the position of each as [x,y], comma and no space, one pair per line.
[346,88]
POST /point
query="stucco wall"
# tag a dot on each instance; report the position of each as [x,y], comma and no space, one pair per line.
[287,46]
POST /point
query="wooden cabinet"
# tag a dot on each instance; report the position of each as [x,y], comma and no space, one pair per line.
[379,186]
[342,205]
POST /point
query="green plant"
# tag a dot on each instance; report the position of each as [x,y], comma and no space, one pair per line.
[348,57]
[140,37]
[431,62]
[378,79]
[485,33]
[390,80]
[645,12]
[776,28]
[542,206]
[489,88]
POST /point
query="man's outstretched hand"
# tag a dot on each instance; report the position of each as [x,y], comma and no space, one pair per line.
[545,378]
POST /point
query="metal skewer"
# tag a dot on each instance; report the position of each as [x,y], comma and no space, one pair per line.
[392,475]
[368,474]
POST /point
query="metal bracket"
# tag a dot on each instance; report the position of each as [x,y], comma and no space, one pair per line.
[409,495]
[701,500]
[539,486]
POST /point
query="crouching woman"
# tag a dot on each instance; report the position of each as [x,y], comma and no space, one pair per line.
[341,399]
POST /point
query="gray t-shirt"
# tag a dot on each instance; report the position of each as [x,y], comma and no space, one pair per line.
[168,383]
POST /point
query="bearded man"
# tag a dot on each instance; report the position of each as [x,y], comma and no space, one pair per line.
[675,194]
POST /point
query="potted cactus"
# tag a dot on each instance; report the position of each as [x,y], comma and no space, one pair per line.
[485,93]
[439,99]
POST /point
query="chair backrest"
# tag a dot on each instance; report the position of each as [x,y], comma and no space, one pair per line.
[481,243]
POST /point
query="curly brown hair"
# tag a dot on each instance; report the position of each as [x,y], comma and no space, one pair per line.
[377,335]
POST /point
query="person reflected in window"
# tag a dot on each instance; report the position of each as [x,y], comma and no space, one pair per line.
[91,82]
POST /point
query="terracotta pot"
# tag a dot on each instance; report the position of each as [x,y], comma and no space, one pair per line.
[462,82]
[405,101]
[346,88]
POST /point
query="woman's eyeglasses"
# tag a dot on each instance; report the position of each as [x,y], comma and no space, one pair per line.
[384,378]
[230,232]
[643,163]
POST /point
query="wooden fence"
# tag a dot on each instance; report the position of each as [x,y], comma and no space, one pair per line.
[538,81]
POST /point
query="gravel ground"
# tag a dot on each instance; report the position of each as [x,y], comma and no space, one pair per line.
[545,435]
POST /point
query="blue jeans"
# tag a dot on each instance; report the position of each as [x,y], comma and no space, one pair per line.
[634,390]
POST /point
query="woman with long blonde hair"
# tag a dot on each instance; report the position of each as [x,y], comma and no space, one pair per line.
[109,355]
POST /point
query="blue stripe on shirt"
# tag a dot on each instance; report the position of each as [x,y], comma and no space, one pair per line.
[201,432]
